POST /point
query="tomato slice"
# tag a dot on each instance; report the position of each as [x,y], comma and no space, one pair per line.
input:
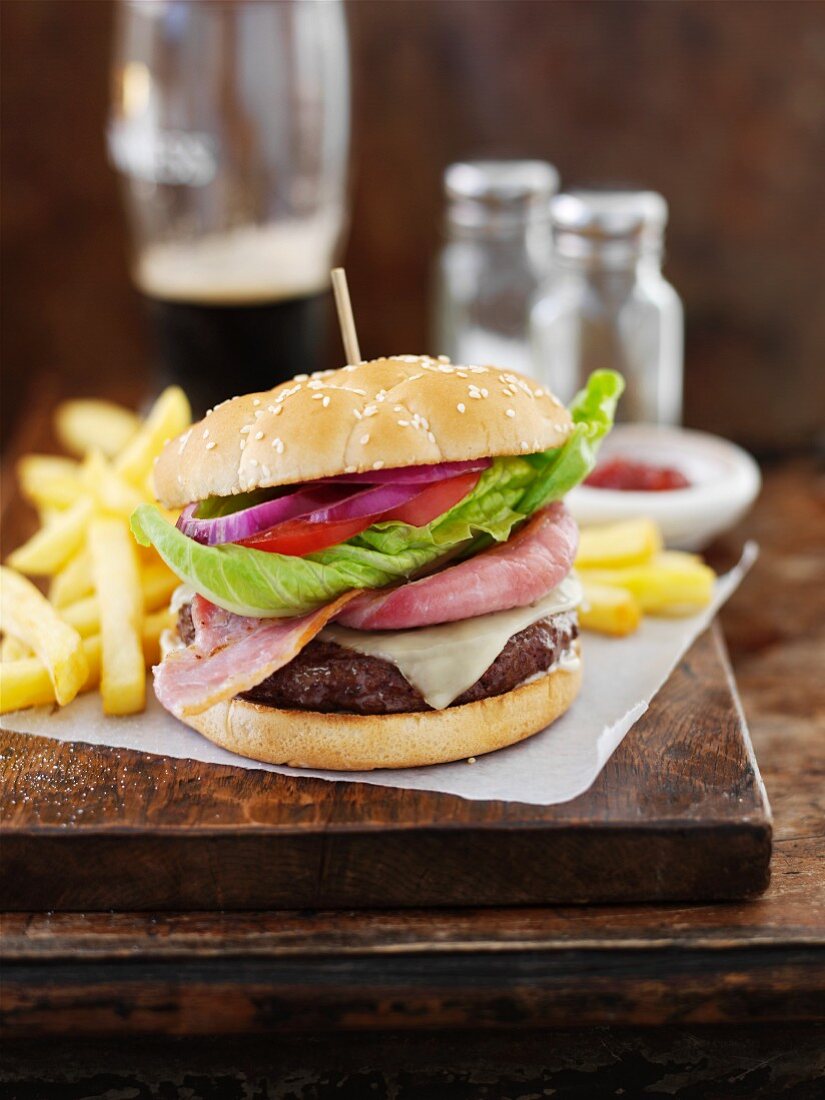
[434,500]
[300,536]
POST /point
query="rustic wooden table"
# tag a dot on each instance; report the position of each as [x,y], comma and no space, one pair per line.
[692,1000]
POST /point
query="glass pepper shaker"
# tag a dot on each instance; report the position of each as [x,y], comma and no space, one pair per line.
[607,304]
[494,259]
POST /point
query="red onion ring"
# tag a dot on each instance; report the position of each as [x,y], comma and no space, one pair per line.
[347,496]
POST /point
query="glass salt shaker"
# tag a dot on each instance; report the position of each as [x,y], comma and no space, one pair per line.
[607,304]
[495,257]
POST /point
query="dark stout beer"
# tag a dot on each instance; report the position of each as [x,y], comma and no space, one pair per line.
[217,351]
[239,312]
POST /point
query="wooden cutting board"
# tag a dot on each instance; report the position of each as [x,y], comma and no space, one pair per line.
[678,813]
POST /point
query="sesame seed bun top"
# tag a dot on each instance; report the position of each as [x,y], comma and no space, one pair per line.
[406,410]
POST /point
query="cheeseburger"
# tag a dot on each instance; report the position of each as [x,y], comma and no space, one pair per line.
[376,563]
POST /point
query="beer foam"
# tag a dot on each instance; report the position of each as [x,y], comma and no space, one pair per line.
[253,263]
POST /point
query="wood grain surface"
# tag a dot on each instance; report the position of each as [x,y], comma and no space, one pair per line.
[678,812]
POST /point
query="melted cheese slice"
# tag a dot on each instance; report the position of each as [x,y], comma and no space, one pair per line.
[441,662]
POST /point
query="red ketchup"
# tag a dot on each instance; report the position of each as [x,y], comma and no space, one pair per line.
[622,473]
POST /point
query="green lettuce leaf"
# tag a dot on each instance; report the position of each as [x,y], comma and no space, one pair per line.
[254,582]
[559,471]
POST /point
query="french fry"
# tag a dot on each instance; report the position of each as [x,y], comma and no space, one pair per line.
[49,481]
[609,610]
[49,514]
[672,584]
[50,549]
[26,683]
[169,416]
[112,492]
[26,614]
[157,583]
[73,582]
[117,583]
[630,542]
[84,426]
[12,649]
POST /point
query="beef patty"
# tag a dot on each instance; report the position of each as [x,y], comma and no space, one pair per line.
[330,678]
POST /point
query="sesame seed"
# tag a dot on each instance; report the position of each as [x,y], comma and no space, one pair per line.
[209,412]
[361,393]
[397,408]
[265,470]
[243,444]
[350,469]
[403,423]
[325,402]
[259,435]
[259,413]
[370,410]
[462,374]
[314,385]
[211,445]
[256,401]
[246,428]
[525,446]
[484,393]
[205,433]
[431,437]
[317,397]
[538,392]
[511,412]
[365,439]
[279,446]
[443,358]
[461,407]
[377,464]
[471,760]
[357,413]
[301,377]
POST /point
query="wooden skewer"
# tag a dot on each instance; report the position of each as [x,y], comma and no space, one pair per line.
[345,317]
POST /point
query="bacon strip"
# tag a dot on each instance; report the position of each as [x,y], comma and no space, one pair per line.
[237,654]
[513,574]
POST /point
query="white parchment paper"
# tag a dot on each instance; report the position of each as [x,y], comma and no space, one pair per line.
[621,676]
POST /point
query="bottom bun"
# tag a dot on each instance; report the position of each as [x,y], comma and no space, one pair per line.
[355,742]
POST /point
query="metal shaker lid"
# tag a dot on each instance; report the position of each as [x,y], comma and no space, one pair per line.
[493,194]
[587,220]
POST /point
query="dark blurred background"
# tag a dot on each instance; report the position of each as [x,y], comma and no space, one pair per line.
[720,106]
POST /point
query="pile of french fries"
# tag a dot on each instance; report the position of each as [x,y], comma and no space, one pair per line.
[626,573]
[107,600]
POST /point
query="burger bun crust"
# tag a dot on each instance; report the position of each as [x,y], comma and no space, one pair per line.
[406,410]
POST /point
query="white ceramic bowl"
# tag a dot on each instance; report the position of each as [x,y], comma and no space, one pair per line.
[724,479]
